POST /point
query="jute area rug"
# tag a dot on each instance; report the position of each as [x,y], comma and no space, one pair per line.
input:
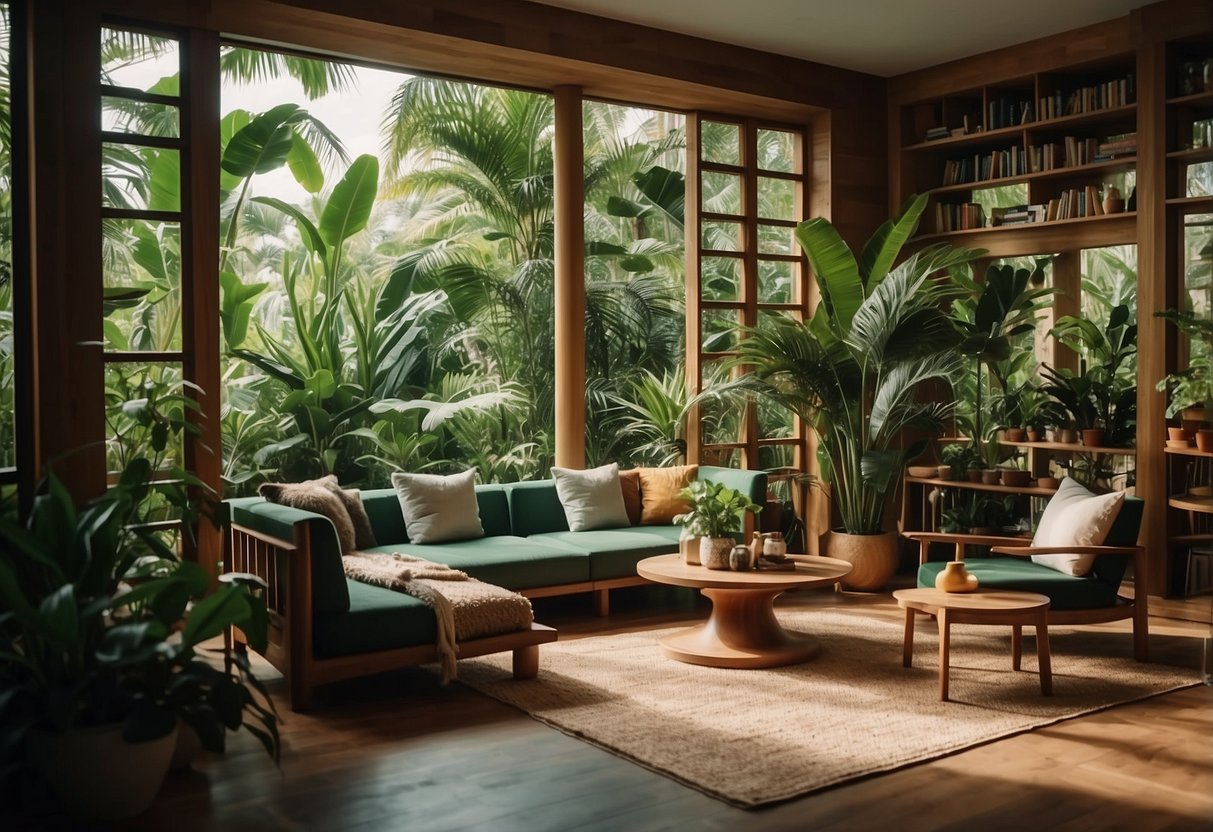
[752,737]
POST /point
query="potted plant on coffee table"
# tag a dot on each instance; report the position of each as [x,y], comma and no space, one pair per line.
[100,643]
[852,372]
[716,514]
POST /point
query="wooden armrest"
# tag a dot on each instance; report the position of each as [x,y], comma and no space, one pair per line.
[969,539]
[1028,551]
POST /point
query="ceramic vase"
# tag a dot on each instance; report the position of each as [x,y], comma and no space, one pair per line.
[714,552]
[688,545]
[956,578]
[739,559]
[1113,203]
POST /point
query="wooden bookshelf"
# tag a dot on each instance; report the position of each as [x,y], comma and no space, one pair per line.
[1068,172]
[1026,490]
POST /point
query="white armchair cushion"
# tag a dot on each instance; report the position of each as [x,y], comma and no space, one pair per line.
[1075,517]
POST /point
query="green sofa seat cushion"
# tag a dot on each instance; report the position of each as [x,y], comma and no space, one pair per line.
[673,533]
[613,553]
[378,619]
[1065,592]
[507,561]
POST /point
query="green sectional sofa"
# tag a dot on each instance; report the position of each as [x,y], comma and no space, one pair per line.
[327,627]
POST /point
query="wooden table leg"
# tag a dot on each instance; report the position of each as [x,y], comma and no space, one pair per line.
[1016,645]
[907,649]
[1042,653]
[945,632]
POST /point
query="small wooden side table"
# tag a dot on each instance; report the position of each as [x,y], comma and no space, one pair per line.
[980,607]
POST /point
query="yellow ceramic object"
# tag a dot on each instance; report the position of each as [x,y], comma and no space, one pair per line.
[955,578]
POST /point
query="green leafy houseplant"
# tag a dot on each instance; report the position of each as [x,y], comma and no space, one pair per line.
[102,623]
[853,369]
[1191,387]
[716,512]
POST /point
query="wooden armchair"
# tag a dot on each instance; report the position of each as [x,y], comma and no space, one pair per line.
[1091,599]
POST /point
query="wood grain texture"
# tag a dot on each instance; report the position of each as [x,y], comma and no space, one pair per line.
[399,751]
[569,207]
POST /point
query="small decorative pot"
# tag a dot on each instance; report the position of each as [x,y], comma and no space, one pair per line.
[955,578]
[688,545]
[1204,440]
[1113,203]
[974,474]
[944,472]
[1067,436]
[1035,434]
[739,559]
[1017,435]
[1179,434]
[1051,435]
[1015,477]
[991,476]
[1093,437]
[774,546]
[714,552]
[1048,482]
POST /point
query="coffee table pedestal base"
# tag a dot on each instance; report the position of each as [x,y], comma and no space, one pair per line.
[742,632]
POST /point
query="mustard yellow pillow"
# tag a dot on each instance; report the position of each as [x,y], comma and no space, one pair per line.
[629,484]
[659,487]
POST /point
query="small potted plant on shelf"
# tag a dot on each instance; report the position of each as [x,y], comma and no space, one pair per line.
[716,514]
[1190,391]
[101,641]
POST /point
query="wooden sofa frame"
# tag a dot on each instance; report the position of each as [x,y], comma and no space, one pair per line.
[286,568]
[1136,608]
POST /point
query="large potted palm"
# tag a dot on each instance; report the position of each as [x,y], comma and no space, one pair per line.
[852,372]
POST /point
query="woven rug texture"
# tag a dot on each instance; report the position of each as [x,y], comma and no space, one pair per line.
[753,737]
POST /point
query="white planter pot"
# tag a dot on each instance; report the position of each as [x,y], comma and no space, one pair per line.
[97,774]
[689,548]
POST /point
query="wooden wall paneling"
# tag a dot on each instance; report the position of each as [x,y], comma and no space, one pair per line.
[200,273]
[68,429]
[569,208]
[1067,280]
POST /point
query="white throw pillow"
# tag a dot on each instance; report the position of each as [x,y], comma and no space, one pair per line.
[1075,517]
[592,499]
[439,509]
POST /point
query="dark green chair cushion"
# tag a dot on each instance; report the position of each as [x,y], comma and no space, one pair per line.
[613,553]
[535,508]
[329,593]
[507,561]
[378,619]
[1065,592]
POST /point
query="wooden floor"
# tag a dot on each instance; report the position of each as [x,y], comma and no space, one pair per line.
[400,752]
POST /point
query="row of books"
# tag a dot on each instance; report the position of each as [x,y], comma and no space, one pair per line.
[1103,96]
[1072,151]
[1075,202]
[1017,215]
[944,132]
[1069,204]
[950,216]
[1007,112]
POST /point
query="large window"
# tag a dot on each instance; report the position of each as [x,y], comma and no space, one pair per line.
[8,357]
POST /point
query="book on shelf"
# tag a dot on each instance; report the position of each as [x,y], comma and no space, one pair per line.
[963,216]
[1075,203]
[1008,112]
[1118,92]
[1017,215]
[981,167]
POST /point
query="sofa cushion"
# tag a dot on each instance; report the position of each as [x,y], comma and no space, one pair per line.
[328,577]
[659,493]
[1075,517]
[439,509]
[316,497]
[591,499]
[378,619]
[351,498]
[629,486]
[613,553]
[1065,592]
[535,508]
[387,519]
[511,562]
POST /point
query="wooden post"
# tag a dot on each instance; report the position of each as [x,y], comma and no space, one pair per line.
[569,206]
[1067,279]
[68,393]
[694,290]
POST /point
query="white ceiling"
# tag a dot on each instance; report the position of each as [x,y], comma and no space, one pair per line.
[883,37]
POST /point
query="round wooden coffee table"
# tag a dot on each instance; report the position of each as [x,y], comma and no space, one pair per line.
[742,631]
[979,607]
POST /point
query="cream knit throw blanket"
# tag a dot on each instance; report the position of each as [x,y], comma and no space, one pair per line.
[465,607]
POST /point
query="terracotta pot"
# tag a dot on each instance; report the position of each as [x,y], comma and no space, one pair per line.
[944,472]
[1035,435]
[1179,434]
[974,474]
[1204,440]
[1067,436]
[98,775]
[1017,435]
[991,476]
[956,578]
[714,551]
[873,558]
[1048,482]
[1093,437]
[1016,478]
[981,530]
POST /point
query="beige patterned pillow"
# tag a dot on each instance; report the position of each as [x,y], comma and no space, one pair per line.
[351,498]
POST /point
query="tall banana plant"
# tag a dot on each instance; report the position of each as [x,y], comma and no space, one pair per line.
[853,369]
